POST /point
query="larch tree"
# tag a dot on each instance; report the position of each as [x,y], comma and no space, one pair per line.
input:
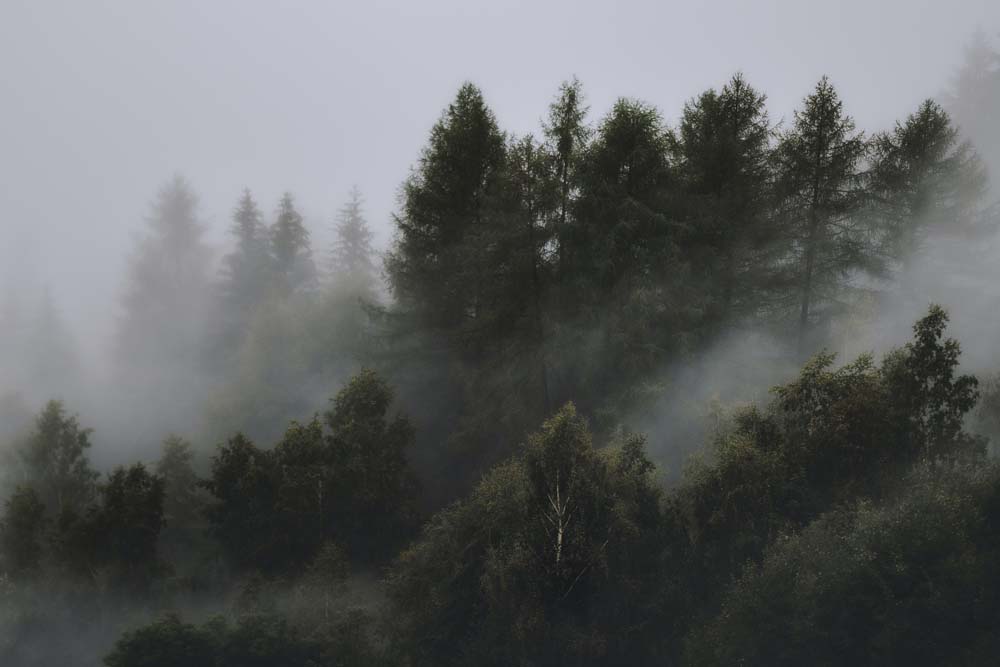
[819,183]
[432,270]
[567,134]
[924,179]
[723,150]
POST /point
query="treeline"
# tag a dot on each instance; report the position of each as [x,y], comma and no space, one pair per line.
[535,291]
[852,518]
[527,273]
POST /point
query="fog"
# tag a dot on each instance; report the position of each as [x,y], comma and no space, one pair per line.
[115,113]
[103,101]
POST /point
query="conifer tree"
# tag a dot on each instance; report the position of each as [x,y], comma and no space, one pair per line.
[432,270]
[352,257]
[291,250]
[974,101]
[161,336]
[819,162]
[723,158]
[924,179]
[567,135]
[247,267]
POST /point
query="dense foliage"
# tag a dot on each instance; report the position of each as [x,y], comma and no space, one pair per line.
[472,493]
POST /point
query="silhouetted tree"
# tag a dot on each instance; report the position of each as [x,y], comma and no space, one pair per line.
[819,162]
[290,248]
[22,529]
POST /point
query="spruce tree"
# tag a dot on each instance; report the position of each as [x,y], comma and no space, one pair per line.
[247,267]
[291,251]
[168,286]
[974,100]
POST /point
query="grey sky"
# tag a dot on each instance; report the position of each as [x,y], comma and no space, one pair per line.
[103,101]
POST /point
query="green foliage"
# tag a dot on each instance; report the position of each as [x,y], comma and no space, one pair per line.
[553,554]
[723,161]
[21,533]
[831,437]
[118,534]
[182,502]
[819,186]
[244,485]
[53,460]
[924,179]
[375,488]
[168,641]
[274,509]
[912,582]
[442,201]
[256,640]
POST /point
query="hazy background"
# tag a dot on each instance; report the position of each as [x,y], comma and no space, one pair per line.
[103,101]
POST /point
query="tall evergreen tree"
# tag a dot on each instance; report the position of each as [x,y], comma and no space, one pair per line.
[819,163]
[431,269]
[623,204]
[54,365]
[352,257]
[567,135]
[22,529]
[626,277]
[723,160]
[290,248]
[247,267]
[974,101]
[924,179]
[162,337]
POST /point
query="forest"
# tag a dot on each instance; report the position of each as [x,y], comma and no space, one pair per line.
[605,400]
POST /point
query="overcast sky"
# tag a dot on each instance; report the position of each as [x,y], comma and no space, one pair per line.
[103,101]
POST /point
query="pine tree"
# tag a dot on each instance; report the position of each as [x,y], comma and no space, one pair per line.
[819,163]
[291,250]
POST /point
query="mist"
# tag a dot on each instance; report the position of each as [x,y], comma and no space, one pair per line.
[228,235]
